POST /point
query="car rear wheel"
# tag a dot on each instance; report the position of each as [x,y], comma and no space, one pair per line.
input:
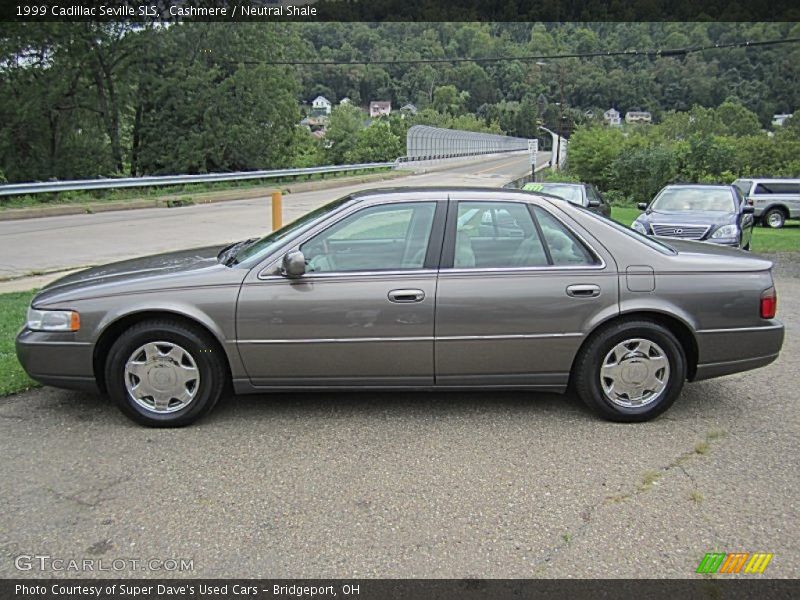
[162,373]
[774,218]
[631,371]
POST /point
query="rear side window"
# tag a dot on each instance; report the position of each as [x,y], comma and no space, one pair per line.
[778,187]
[565,248]
[497,235]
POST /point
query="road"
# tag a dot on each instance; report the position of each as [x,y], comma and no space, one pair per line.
[461,485]
[64,242]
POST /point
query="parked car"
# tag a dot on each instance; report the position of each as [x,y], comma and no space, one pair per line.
[580,194]
[774,200]
[708,213]
[410,288]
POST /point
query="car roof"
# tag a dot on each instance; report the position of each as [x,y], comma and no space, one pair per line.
[490,191]
[698,185]
[769,179]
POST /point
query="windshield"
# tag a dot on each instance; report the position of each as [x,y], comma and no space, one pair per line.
[571,193]
[265,245]
[699,199]
[639,237]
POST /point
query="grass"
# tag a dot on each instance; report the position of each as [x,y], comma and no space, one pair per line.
[13,308]
[113,195]
[701,448]
[696,496]
[786,239]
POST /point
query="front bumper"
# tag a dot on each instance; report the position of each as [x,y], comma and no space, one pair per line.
[727,351]
[57,359]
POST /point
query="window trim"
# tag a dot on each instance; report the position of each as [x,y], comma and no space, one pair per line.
[429,265]
[447,263]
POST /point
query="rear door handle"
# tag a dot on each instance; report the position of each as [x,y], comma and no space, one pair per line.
[406,296]
[588,290]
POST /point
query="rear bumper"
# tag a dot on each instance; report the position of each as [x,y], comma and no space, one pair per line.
[56,359]
[728,351]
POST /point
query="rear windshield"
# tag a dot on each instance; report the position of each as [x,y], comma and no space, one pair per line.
[570,193]
[639,237]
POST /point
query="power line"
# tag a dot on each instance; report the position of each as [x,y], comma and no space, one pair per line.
[653,53]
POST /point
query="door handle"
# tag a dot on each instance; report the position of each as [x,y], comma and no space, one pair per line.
[406,296]
[588,290]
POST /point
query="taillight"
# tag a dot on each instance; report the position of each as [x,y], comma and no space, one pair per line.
[769,303]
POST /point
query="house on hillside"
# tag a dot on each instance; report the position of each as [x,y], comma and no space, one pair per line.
[408,109]
[321,105]
[345,100]
[380,108]
[612,117]
[778,120]
[638,116]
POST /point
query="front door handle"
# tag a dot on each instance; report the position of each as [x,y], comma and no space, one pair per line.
[406,296]
[588,290]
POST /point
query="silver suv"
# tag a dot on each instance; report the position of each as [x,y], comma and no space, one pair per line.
[774,200]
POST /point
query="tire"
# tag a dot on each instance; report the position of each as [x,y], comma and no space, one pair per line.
[665,362]
[774,218]
[179,363]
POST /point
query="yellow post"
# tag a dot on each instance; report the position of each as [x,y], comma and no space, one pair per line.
[277,210]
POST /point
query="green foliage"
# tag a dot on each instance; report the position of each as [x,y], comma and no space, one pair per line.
[550,175]
[346,121]
[107,99]
[703,145]
[376,143]
[448,100]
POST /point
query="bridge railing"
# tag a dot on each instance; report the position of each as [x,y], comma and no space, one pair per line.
[430,143]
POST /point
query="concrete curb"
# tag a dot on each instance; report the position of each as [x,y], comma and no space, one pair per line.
[170,200]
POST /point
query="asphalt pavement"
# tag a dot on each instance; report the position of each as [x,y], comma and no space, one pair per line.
[463,485]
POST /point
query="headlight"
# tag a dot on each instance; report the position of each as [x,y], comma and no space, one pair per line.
[636,226]
[726,231]
[53,320]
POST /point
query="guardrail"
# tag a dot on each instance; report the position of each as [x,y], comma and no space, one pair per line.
[20,189]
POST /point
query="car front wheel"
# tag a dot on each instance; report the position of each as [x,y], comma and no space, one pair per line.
[162,373]
[631,371]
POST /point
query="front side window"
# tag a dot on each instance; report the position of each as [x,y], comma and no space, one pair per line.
[378,238]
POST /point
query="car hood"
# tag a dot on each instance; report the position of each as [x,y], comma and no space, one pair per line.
[149,272]
[688,217]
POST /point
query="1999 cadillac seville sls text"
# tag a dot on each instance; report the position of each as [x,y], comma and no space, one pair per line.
[427,288]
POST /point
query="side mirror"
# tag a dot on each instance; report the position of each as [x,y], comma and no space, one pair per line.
[748,210]
[642,206]
[294,264]
[594,203]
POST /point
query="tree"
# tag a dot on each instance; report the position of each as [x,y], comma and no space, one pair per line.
[447,99]
[346,121]
[376,143]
